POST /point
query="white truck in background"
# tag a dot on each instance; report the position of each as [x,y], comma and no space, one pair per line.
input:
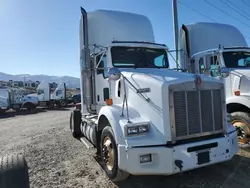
[142,117]
[48,96]
[16,98]
[220,51]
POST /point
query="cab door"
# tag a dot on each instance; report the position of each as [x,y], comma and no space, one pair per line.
[101,80]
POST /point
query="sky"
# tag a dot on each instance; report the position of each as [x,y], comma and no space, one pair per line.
[41,36]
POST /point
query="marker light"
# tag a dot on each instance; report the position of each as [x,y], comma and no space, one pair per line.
[237,93]
[109,102]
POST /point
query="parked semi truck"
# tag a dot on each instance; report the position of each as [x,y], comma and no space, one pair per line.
[142,117]
[16,99]
[48,96]
[220,51]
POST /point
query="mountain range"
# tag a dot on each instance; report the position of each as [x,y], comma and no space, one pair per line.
[71,82]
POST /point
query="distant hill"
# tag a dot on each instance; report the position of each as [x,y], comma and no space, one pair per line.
[72,82]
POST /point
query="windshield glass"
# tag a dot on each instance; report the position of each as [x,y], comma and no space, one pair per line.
[139,57]
[236,59]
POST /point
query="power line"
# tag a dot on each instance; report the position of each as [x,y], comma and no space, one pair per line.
[196,11]
[245,3]
[234,9]
[203,14]
[238,8]
[226,13]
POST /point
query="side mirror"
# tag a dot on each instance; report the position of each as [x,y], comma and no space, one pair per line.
[224,72]
[114,73]
[166,62]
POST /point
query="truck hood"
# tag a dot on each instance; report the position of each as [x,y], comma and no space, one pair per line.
[156,109]
[31,98]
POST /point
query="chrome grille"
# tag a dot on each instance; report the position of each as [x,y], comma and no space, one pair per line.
[197,112]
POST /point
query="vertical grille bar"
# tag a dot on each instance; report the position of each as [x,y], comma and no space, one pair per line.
[186,104]
[217,109]
[180,113]
[212,99]
[193,112]
[200,115]
[207,110]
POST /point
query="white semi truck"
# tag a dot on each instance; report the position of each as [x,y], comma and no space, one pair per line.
[142,117]
[221,51]
[48,96]
[16,99]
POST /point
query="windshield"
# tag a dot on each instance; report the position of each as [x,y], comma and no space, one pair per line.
[139,57]
[236,59]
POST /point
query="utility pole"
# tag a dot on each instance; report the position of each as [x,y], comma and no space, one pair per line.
[176,28]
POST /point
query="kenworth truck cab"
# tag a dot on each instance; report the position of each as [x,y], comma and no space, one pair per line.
[220,51]
[142,117]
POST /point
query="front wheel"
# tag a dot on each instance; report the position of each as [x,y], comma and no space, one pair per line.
[241,121]
[75,123]
[109,156]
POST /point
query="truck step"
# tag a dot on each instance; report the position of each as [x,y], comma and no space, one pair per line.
[86,143]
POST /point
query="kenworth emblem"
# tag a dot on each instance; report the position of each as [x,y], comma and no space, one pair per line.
[143,90]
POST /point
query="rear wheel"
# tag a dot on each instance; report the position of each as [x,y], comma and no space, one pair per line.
[63,103]
[241,121]
[109,156]
[14,172]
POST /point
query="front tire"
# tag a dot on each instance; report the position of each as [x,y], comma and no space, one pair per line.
[109,156]
[241,121]
[75,123]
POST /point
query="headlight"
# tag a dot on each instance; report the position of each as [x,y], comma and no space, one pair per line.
[136,129]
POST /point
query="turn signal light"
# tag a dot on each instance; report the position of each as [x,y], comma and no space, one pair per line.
[109,102]
[237,93]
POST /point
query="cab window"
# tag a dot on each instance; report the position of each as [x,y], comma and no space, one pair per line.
[58,92]
[103,65]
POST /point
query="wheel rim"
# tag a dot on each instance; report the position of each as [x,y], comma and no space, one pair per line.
[108,153]
[242,131]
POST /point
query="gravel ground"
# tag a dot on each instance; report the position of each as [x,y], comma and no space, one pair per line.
[56,159]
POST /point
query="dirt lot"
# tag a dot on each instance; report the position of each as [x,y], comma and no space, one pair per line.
[57,160]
